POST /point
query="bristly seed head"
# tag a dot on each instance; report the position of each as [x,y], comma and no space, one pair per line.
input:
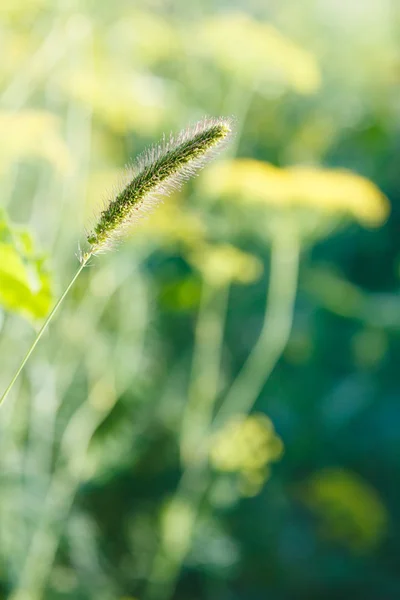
[158,171]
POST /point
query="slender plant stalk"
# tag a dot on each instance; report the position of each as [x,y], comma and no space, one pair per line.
[202,394]
[285,255]
[57,503]
[43,328]
[158,172]
[203,387]
[166,565]
[278,317]
[64,485]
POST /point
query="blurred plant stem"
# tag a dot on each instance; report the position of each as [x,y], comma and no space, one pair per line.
[195,480]
[275,332]
[168,560]
[203,387]
[44,327]
[65,480]
[202,394]
[59,498]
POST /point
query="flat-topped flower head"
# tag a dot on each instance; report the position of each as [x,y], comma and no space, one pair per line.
[327,191]
[157,172]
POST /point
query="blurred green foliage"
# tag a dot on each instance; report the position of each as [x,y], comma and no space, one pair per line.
[215,412]
[24,280]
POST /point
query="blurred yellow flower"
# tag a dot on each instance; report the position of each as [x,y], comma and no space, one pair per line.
[252,51]
[246,446]
[16,8]
[120,98]
[326,190]
[173,223]
[349,509]
[144,36]
[17,47]
[33,133]
[251,481]
[223,264]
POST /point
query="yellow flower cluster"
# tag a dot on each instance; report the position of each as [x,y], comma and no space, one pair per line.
[256,51]
[246,446]
[139,104]
[173,223]
[325,190]
[223,264]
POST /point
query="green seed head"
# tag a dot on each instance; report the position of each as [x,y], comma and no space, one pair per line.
[158,171]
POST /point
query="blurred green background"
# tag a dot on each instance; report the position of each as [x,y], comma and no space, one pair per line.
[215,412]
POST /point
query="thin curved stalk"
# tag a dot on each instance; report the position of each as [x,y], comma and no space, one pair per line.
[43,329]
[167,562]
[206,361]
[202,394]
[65,482]
[278,318]
[56,506]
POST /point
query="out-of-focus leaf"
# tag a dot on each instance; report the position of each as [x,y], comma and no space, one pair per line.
[25,282]
[335,293]
[349,508]
[181,295]
[144,37]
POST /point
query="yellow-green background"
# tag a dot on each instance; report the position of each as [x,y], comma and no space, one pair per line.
[129,465]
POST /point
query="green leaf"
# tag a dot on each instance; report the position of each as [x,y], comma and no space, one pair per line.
[25,282]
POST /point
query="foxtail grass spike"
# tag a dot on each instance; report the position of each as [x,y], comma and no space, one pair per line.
[160,170]
[157,172]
